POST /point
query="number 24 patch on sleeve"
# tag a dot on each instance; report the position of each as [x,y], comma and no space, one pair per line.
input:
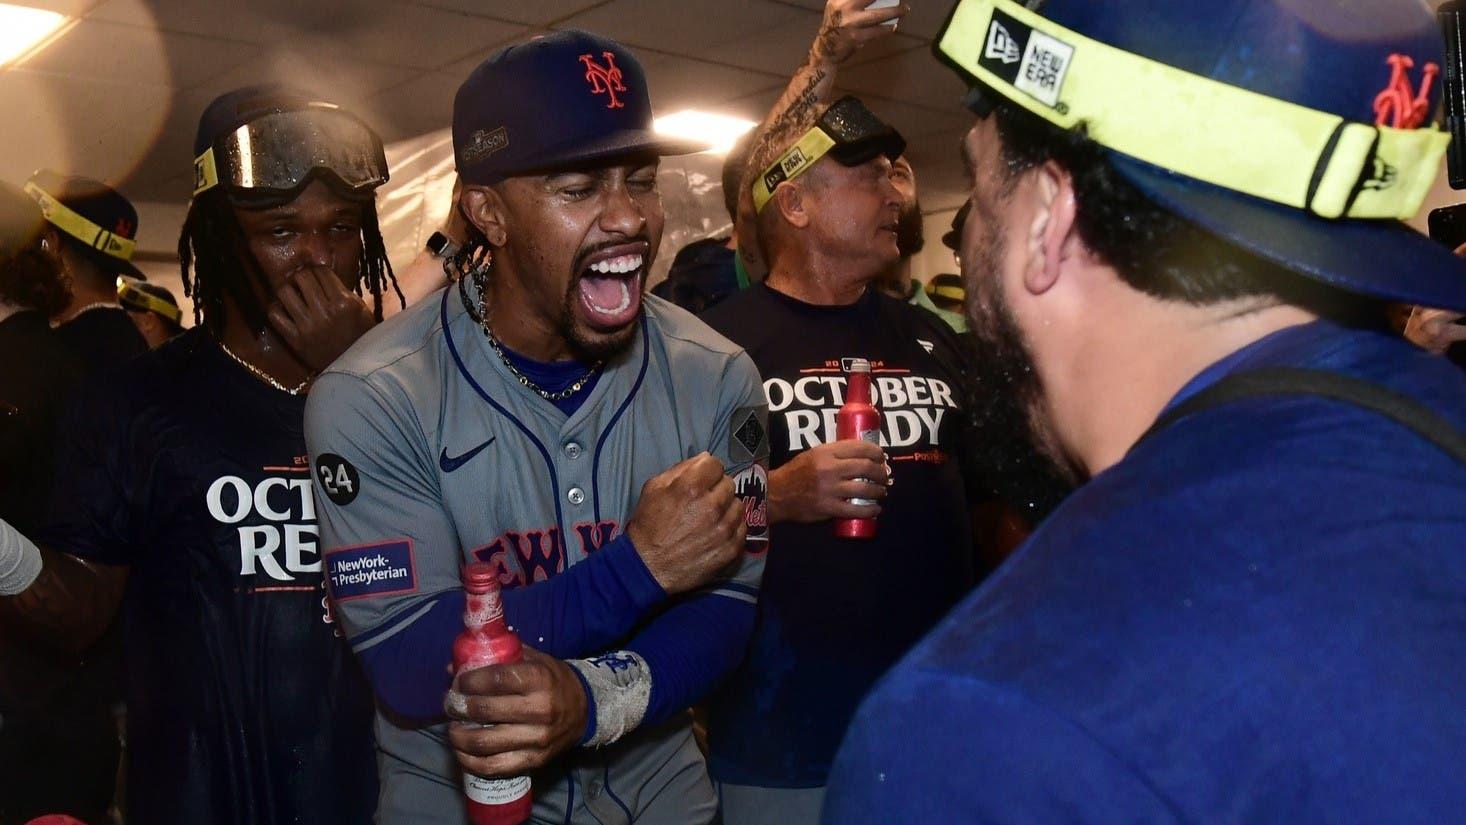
[383,569]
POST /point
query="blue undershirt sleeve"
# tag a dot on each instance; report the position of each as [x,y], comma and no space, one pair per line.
[589,607]
[581,612]
[690,649]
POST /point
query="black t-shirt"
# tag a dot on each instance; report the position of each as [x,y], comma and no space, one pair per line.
[37,374]
[244,706]
[102,338]
[834,613]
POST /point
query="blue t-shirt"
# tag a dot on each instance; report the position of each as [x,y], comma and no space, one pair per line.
[1258,615]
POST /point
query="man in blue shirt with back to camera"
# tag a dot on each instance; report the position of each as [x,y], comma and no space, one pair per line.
[1185,218]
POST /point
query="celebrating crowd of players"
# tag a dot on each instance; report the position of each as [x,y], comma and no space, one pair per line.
[1250,608]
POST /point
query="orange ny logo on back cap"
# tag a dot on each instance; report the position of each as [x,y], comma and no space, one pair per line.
[1398,106]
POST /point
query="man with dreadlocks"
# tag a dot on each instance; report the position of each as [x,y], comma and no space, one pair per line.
[187,499]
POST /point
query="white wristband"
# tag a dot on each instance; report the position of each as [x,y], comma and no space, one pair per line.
[620,687]
[20,560]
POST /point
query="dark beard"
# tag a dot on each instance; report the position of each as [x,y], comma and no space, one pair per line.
[1013,451]
[909,235]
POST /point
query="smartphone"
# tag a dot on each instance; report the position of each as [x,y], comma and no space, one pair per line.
[884,4]
[1448,225]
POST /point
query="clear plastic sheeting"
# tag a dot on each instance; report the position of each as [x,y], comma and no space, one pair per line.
[414,203]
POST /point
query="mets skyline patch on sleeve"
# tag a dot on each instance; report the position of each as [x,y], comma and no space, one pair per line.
[381,569]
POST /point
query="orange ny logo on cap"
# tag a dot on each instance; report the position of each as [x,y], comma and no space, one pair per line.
[605,79]
[1398,106]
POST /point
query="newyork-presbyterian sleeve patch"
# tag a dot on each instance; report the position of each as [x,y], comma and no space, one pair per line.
[382,569]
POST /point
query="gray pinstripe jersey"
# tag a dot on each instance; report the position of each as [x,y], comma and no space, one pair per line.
[431,454]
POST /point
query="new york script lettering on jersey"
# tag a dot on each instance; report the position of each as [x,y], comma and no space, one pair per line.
[455,461]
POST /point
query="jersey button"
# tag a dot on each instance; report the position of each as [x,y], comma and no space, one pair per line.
[573,450]
[576,495]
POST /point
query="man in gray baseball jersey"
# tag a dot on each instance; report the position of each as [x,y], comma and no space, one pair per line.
[528,417]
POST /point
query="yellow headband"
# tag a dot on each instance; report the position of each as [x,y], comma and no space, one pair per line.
[794,162]
[949,292]
[130,296]
[63,218]
[1192,125]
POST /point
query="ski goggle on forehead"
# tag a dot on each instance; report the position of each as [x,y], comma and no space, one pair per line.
[1197,127]
[847,131]
[278,152]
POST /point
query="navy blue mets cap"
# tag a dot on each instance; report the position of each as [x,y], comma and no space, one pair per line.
[557,101]
[1300,131]
[99,218]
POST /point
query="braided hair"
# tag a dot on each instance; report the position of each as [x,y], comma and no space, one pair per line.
[210,257]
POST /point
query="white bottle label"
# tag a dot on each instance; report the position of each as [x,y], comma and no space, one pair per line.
[871,437]
[494,791]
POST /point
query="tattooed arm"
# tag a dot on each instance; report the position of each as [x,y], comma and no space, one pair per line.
[66,604]
[846,26]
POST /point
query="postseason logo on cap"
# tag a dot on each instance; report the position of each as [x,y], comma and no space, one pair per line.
[484,143]
[1033,62]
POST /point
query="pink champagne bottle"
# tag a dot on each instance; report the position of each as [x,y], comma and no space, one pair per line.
[487,640]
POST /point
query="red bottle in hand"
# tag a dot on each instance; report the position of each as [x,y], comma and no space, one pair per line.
[857,419]
[487,640]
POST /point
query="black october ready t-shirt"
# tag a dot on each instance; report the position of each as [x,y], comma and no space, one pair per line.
[243,704]
[835,613]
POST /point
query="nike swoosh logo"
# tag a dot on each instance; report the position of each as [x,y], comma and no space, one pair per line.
[451,464]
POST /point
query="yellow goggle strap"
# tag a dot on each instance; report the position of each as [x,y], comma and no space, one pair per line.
[129,296]
[951,293]
[1191,125]
[790,165]
[63,218]
[205,173]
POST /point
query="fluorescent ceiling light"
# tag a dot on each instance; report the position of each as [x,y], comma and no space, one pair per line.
[21,28]
[719,132]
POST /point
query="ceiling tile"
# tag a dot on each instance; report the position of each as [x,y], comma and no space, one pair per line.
[783,50]
[677,83]
[913,76]
[88,127]
[377,31]
[423,100]
[70,8]
[682,27]
[111,52]
[538,13]
[461,67]
[339,81]
[256,21]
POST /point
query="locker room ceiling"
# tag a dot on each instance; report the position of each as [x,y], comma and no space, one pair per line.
[118,95]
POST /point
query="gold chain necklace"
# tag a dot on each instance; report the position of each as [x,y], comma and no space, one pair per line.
[265,377]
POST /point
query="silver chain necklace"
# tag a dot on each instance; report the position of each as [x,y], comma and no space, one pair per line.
[483,320]
[264,376]
[574,388]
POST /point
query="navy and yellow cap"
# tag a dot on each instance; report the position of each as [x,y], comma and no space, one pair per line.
[557,101]
[1301,132]
[97,216]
